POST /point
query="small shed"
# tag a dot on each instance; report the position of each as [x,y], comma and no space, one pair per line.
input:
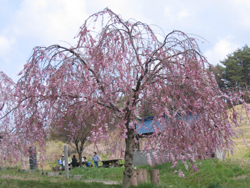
[144,130]
[148,129]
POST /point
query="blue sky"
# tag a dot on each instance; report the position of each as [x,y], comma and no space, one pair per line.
[24,24]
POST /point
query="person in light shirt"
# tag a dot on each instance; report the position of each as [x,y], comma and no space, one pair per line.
[84,159]
[88,164]
[96,158]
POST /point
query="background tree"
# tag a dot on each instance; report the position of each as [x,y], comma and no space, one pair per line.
[219,73]
[116,59]
[237,69]
[78,136]
[11,138]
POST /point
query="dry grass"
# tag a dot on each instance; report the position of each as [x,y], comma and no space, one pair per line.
[241,162]
[54,151]
[241,150]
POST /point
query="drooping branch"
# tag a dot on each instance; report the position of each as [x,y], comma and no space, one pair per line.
[120,69]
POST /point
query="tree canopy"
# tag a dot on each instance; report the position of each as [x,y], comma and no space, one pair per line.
[78,136]
[237,68]
[234,73]
[219,73]
[116,60]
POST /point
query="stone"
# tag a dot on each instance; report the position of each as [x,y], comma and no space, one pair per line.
[77,177]
[51,173]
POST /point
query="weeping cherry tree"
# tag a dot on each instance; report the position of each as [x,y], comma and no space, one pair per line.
[114,68]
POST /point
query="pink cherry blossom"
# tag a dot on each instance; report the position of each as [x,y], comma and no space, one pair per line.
[119,71]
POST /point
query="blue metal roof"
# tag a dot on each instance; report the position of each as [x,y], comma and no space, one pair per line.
[148,124]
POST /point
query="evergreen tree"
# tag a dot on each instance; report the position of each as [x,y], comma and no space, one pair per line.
[219,73]
[237,69]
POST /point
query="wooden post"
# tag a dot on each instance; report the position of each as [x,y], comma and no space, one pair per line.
[155,179]
[139,175]
[133,179]
[32,158]
[145,175]
[66,161]
[71,168]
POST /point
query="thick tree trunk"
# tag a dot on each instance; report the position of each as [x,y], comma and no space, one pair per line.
[79,150]
[247,91]
[80,158]
[128,159]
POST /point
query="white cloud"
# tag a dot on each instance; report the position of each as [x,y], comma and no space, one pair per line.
[173,14]
[5,44]
[184,11]
[49,20]
[243,12]
[183,14]
[220,50]
[126,8]
[239,9]
[115,5]
[27,23]
[40,22]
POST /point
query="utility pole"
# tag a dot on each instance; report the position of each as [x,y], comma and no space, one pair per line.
[66,161]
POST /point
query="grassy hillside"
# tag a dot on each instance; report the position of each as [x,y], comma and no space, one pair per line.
[234,172]
[54,149]
[241,150]
[211,174]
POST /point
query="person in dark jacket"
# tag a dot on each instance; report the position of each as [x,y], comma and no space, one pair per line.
[74,161]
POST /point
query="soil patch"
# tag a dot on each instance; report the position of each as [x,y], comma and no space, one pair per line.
[18,177]
[103,181]
[240,177]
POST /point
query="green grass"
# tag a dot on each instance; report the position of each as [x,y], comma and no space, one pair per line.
[114,174]
[14,178]
[9,183]
[212,174]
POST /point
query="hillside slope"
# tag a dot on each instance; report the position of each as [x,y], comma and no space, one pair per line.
[241,149]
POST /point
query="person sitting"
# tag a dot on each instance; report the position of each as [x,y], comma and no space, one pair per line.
[70,160]
[88,164]
[84,159]
[59,161]
[62,162]
[63,165]
[74,161]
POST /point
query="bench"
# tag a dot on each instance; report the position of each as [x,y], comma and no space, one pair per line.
[103,166]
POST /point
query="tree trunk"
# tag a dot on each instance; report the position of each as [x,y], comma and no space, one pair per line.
[128,172]
[247,92]
[81,150]
[80,158]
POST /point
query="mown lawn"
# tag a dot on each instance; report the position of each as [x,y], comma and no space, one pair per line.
[212,174]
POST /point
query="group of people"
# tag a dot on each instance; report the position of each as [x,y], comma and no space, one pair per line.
[95,158]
